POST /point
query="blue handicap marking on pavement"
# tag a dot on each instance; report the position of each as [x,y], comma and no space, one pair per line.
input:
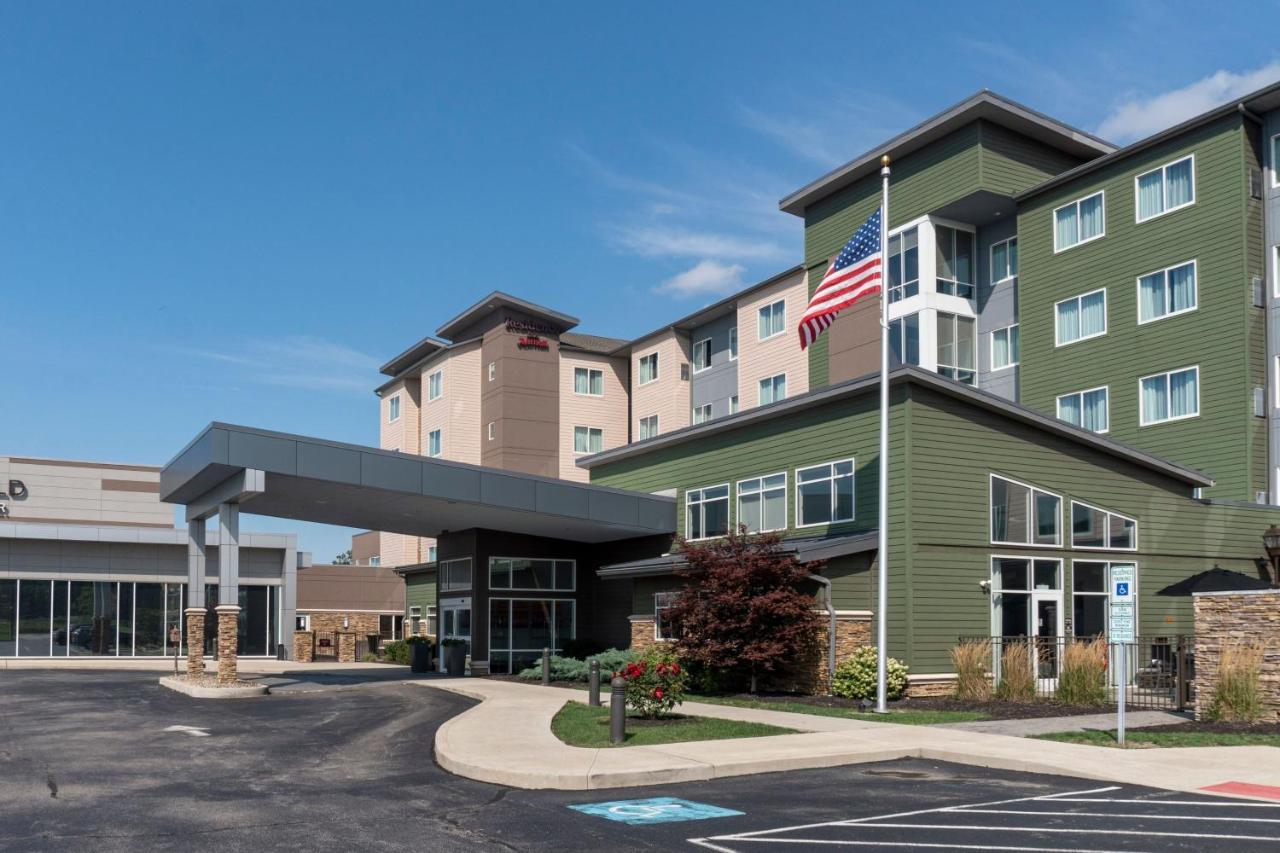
[654,810]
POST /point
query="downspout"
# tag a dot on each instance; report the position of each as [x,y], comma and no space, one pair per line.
[1247,113]
[831,631]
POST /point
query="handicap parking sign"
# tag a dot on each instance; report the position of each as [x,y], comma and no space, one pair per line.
[653,810]
[1122,589]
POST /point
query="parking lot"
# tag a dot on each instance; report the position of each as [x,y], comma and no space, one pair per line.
[108,761]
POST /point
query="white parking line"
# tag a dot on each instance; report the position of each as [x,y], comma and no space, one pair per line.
[1156,802]
[1162,817]
[914,845]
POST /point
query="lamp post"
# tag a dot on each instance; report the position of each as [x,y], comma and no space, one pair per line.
[1271,539]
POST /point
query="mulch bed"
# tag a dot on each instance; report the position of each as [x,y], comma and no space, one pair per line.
[994,710]
[1214,728]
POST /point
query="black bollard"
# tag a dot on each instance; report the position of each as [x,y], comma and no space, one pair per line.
[546,667]
[618,711]
[593,684]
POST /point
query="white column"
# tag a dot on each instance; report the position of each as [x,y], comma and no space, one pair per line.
[229,554]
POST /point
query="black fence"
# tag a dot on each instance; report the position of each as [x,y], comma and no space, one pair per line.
[1159,671]
[326,645]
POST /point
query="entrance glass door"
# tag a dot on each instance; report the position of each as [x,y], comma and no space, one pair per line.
[455,624]
[1048,630]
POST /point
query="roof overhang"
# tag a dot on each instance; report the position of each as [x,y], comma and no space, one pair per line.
[310,479]
[804,550]
[422,349]
[497,300]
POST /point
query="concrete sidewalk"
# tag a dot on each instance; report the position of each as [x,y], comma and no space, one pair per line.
[1077,723]
[507,740]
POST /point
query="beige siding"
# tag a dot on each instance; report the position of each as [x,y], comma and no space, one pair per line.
[609,412]
[781,353]
[402,433]
[84,493]
[456,413]
[668,395]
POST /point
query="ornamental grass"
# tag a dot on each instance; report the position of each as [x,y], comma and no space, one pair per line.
[1083,679]
[1237,697]
[971,660]
[1017,673]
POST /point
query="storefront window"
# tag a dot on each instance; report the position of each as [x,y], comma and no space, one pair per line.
[93,618]
[520,628]
[33,617]
[8,617]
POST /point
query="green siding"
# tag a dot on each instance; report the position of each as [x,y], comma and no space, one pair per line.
[1012,162]
[1212,231]
[420,591]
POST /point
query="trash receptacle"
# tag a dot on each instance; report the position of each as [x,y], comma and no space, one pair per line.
[280,655]
[420,657]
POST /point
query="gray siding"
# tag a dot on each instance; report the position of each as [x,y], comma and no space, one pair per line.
[717,384]
[997,308]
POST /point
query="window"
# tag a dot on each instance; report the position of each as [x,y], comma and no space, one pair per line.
[904,338]
[432,551]
[1090,585]
[455,574]
[1086,409]
[393,409]
[1013,581]
[1004,260]
[956,357]
[762,503]
[701,354]
[1275,271]
[1275,160]
[493,430]
[1023,515]
[531,575]
[824,493]
[1080,317]
[1165,189]
[390,626]
[1097,528]
[733,342]
[904,265]
[302,622]
[493,370]
[1078,222]
[375,560]
[1004,347]
[648,427]
[702,414]
[773,319]
[955,261]
[435,385]
[434,443]
[1167,292]
[773,389]
[648,368]
[1170,396]
[588,439]
[588,380]
[707,512]
[733,404]
[662,601]
[520,628]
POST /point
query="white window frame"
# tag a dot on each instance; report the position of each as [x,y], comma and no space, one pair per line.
[1108,513]
[1167,374]
[771,380]
[1057,339]
[733,343]
[589,371]
[393,408]
[770,308]
[991,265]
[1054,222]
[728,510]
[830,479]
[640,368]
[761,491]
[662,601]
[302,621]
[493,370]
[573,575]
[435,385]
[991,348]
[493,430]
[1031,508]
[438,433]
[954,319]
[432,553]
[1080,394]
[704,410]
[972,286]
[589,431]
[640,427]
[1137,284]
[1106,593]
[1275,271]
[1164,190]
[705,344]
[733,405]
[1274,154]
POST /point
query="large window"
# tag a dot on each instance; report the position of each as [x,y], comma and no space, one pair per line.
[904,338]
[707,512]
[762,503]
[57,618]
[1004,260]
[1014,583]
[773,389]
[1024,515]
[393,409]
[1004,347]
[662,627]
[955,261]
[1086,409]
[1097,528]
[434,443]
[588,380]
[702,414]
[435,385]
[588,439]
[455,574]
[957,358]
[824,493]
[520,628]
[1080,317]
[390,626]
[1078,222]
[532,575]
[773,319]
[1090,585]
[1167,292]
[1171,396]
[1165,189]
[701,355]
[648,427]
[648,368]
[904,265]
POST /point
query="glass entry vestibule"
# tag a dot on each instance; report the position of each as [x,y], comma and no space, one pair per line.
[1026,601]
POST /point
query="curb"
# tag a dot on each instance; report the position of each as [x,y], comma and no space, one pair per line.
[196,691]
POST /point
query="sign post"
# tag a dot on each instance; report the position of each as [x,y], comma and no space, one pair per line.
[1122,635]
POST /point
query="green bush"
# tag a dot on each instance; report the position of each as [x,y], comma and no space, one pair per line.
[396,651]
[655,681]
[856,676]
[573,669]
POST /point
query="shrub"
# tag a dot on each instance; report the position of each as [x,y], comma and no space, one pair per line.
[564,668]
[972,660]
[655,682]
[1017,674]
[396,651]
[856,676]
[1237,695]
[1083,679]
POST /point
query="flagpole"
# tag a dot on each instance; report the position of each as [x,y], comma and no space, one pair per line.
[882,554]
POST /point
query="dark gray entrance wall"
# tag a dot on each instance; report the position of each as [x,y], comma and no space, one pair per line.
[997,308]
[718,383]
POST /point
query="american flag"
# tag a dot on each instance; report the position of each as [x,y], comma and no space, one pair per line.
[852,275]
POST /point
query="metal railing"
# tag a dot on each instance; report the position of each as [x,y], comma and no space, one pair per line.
[1160,669]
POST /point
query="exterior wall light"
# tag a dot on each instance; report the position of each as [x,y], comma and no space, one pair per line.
[1271,540]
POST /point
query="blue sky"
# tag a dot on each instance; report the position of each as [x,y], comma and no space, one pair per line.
[238,211]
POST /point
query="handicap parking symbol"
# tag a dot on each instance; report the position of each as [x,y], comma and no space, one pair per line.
[1122,588]
[653,810]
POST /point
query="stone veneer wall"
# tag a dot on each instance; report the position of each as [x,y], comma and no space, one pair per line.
[304,646]
[361,624]
[1237,617]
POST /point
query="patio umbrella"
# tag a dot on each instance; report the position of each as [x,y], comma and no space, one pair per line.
[1216,579]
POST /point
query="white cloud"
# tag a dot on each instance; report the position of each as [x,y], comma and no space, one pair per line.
[655,241]
[705,278]
[1138,116]
[298,361]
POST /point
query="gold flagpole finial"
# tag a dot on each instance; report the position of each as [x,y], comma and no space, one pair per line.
[884,161]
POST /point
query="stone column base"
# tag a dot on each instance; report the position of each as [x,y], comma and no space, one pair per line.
[304,646]
[228,639]
[195,641]
[346,647]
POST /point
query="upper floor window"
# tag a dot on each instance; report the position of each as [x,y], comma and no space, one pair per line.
[733,342]
[701,354]
[1275,160]
[455,574]
[762,503]
[702,414]
[904,265]
[1004,347]
[393,409]
[493,370]
[773,389]
[1165,189]
[1096,528]
[1167,292]
[1085,409]
[1080,317]
[707,512]
[648,367]
[956,348]
[904,338]
[733,404]
[431,553]
[1004,260]
[773,319]
[1170,396]
[648,427]
[493,430]
[824,493]
[1078,222]
[1024,515]
[434,443]
[588,380]
[435,385]
[588,439]
[517,573]
[955,261]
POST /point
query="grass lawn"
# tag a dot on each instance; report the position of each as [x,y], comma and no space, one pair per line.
[909,718]
[581,725]
[1170,738]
